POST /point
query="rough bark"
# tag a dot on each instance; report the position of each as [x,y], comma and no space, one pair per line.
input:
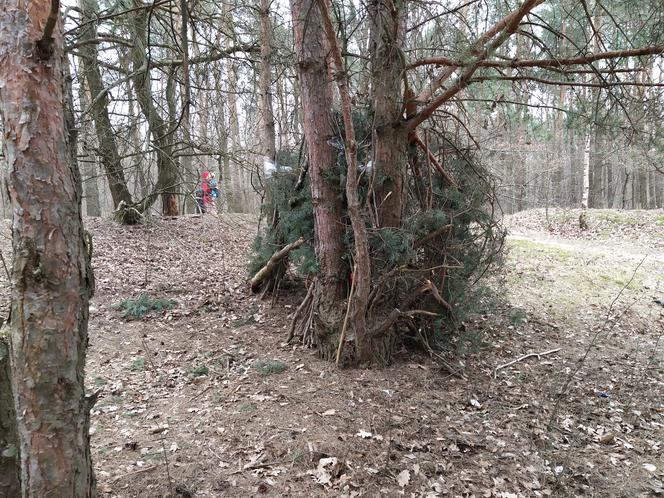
[389,139]
[328,306]
[311,51]
[51,272]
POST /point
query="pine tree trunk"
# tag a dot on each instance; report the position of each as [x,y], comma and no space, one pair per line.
[389,139]
[265,82]
[311,51]
[51,275]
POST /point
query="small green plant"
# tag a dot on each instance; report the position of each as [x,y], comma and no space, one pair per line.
[517,316]
[100,381]
[246,407]
[268,367]
[138,365]
[199,371]
[134,309]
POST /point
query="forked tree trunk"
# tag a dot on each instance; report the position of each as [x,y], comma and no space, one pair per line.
[51,273]
[107,146]
[311,51]
[167,170]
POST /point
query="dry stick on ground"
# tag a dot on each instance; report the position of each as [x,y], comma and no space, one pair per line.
[524,357]
[300,310]
[269,267]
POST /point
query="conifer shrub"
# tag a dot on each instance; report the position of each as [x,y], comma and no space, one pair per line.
[449,239]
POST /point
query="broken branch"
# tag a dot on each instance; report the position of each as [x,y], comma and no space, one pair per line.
[266,271]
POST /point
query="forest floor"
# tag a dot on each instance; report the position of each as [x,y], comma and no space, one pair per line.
[206,399]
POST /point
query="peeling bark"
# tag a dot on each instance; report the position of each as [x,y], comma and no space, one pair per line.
[389,140]
[51,273]
[316,96]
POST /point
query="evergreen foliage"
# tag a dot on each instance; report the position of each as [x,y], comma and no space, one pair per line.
[450,236]
[135,309]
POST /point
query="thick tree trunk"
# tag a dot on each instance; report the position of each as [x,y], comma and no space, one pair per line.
[389,136]
[51,273]
[311,51]
[9,458]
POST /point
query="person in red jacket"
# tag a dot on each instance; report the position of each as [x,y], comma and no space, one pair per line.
[207,192]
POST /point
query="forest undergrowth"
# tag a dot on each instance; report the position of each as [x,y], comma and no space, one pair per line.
[199,394]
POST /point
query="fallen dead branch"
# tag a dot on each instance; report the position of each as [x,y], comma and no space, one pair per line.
[266,271]
[524,357]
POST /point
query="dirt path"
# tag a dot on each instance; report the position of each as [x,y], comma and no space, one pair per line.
[608,248]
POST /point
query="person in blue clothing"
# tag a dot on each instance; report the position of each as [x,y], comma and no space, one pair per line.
[207,192]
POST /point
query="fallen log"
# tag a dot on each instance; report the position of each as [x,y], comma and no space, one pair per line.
[265,272]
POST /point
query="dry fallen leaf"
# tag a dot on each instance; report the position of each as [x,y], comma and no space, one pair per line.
[403,478]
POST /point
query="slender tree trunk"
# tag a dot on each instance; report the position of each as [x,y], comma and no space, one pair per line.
[362,267]
[265,82]
[107,147]
[88,161]
[583,219]
[189,174]
[167,170]
[52,279]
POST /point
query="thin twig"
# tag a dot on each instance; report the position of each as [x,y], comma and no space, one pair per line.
[524,357]
[345,325]
[4,263]
[593,341]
